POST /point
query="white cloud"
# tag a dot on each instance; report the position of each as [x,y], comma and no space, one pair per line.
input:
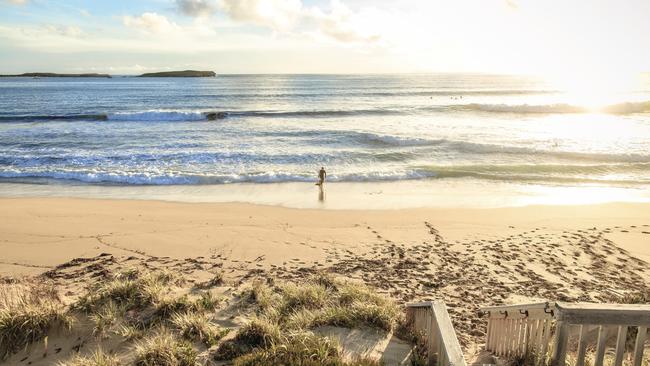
[17,2]
[338,22]
[279,15]
[344,25]
[196,8]
[150,23]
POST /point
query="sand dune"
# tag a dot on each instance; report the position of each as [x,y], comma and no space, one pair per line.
[468,257]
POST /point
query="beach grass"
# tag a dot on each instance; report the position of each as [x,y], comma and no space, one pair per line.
[98,358]
[197,327]
[27,312]
[321,301]
[129,289]
[166,323]
[164,349]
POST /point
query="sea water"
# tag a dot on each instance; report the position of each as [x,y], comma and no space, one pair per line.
[130,131]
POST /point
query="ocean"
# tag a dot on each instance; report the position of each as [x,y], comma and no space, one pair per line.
[130,131]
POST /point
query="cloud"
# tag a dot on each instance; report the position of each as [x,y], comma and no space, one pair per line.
[344,25]
[338,22]
[196,8]
[279,15]
[17,2]
[64,30]
[150,23]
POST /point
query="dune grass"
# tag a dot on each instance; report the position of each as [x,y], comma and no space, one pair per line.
[303,349]
[197,327]
[130,289]
[98,358]
[321,301]
[163,349]
[144,295]
[257,334]
[104,318]
[27,312]
[169,329]
[297,349]
[281,335]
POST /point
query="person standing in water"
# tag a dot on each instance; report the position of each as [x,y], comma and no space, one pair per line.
[321,176]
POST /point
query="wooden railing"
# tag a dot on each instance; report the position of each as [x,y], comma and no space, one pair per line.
[527,330]
[519,330]
[431,320]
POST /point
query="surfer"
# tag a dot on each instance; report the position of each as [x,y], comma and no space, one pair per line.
[321,176]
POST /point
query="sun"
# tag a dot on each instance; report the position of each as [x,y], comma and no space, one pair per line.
[595,90]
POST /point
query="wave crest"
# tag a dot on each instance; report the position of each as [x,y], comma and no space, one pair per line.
[620,108]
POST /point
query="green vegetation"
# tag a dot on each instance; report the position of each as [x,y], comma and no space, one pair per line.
[262,343]
[197,327]
[287,312]
[258,334]
[99,358]
[299,349]
[27,312]
[55,75]
[322,301]
[129,289]
[163,349]
[180,74]
[170,325]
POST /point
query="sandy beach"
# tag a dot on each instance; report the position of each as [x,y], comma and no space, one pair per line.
[467,257]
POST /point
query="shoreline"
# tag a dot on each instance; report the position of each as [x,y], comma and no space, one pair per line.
[383,195]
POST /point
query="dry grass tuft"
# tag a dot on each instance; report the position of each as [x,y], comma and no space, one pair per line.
[323,301]
[27,312]
[163,349]
[197,327]
[303,349]
[130,289]
[99,358]
[280,336]
[300,349]
[105,318]
[259,333]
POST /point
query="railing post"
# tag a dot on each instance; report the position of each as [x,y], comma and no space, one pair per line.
[638,347]
[560,344]
[600,349]
[620,345]
[582,345]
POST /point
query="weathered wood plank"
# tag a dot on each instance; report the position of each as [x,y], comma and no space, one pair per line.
[620,345]
[604,314]
[600,348]
[546,338]
[558,357]
[638,346]
[450,342]
[582,345]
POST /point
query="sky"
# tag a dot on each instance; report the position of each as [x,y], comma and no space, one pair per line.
[563,38]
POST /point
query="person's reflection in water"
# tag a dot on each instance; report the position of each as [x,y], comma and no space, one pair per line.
[321,193]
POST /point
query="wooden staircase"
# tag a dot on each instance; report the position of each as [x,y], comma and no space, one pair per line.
[540,334]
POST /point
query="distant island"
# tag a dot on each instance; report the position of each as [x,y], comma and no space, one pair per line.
[180,74]
[55,75]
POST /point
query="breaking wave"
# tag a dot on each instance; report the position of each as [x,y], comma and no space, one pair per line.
[621,108]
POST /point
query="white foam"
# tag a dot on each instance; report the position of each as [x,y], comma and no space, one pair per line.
[158,116]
